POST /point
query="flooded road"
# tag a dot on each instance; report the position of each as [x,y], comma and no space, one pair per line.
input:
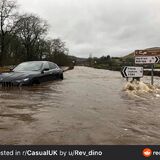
[89,106]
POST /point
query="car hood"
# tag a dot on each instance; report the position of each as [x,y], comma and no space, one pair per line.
[11,76]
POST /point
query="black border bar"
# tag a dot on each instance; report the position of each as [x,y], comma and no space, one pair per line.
[77,152]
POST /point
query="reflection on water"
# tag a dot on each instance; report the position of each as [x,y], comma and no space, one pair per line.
[89,106]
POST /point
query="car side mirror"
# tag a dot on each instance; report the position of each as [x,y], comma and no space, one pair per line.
[11,69]
[45,70]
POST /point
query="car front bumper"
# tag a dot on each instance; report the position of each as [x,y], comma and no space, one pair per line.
[13,84]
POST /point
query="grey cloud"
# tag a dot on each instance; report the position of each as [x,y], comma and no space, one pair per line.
[101,26]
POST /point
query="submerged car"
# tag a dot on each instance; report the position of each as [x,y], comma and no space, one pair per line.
[29,73]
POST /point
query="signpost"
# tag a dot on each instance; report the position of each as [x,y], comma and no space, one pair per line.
[147,60]
[147,53]
[147,57]
[132,72]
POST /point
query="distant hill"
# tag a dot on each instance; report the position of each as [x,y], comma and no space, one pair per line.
[77,58]
[79,61]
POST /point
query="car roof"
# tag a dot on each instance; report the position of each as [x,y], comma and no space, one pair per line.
[40,61]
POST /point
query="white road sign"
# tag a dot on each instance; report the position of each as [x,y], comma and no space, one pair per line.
[132,72]
[147,60]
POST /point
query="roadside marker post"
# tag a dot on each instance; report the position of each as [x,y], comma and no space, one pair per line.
[152,75]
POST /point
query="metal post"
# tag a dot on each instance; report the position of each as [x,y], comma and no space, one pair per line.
[152,75]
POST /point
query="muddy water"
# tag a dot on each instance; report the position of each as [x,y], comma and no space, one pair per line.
[89,106]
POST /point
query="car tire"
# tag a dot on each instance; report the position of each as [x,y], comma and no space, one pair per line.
[61,76]
[35,81]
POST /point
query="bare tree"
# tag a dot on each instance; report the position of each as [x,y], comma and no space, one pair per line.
[30,29]
[7,15]
[42,48]
[58,51]
[58,46]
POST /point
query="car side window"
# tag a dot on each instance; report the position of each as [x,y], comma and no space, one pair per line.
[52,65]
[45,66]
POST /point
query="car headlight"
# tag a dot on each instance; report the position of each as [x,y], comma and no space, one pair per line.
[22,80]
[26,79]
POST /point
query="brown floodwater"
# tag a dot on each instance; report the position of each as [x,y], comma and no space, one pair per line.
[89,106]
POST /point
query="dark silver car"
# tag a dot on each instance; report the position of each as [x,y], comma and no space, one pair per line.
[29,73]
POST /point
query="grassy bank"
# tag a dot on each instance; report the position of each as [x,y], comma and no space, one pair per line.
[4,69]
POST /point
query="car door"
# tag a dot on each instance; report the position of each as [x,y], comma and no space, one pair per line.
[45,75]
[54,70]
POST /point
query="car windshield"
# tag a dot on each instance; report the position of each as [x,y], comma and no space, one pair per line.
[29,66]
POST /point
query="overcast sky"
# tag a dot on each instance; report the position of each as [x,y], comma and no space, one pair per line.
[100,27]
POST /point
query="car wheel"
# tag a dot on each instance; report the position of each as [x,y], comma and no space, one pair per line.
[61,76]
[35,81]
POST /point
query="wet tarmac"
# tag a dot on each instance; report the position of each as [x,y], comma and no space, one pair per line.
[89,106]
